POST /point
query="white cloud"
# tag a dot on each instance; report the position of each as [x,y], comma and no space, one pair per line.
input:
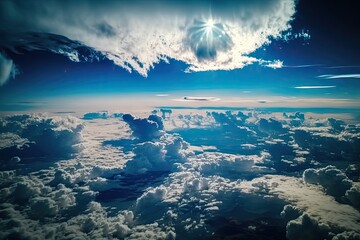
[203,191]
[338,76]
[7,69]
[321,213]
[137,40]
[314,87]
[158,156]
[229,165]
[274,65]
[145,128]
[334,181]
[40,135]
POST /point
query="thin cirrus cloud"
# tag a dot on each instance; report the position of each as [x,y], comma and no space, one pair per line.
[7,69]
[338,76]
[206,99]
[314,87]
[205,35]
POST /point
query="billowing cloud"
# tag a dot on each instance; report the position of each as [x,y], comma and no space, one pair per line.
[7,69]
[145,128]
[113,189]
[206,35]
[333,180]
[40,135]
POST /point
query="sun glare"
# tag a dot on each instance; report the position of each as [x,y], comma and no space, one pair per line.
[209,24]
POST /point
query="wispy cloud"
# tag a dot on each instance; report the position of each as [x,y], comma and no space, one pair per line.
[274,65]
[187,98]
[344,66]
[196,99]
[336,76]
[7,69]
[303,66]
[314,87]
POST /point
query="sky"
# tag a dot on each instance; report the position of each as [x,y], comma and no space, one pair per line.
[179,119]
[240,53]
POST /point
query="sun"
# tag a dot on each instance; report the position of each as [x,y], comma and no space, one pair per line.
[209,24]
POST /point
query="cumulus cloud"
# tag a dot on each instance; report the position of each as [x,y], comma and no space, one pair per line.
[105,193]
[145,128]
[40,135]
[205,35]
[230,166]
[7,69]
[159,156]
[334,181]
[321,216]
[305,227]
[271,126]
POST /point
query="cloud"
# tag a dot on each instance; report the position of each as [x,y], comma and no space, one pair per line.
[101,115]
[303,66]
[188,98]
[338,76]
[321,214]
[108,192]
[158,156]
[40,135]
[305,227]
[314,87]
[334,181]
[274,65]
[7,69]
[230,166]
[271,126]
[145,128]
[205,35]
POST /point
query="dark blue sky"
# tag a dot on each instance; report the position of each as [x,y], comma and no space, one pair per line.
[332,49]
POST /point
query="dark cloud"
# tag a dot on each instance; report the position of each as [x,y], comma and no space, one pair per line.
[18,42]
[145,128]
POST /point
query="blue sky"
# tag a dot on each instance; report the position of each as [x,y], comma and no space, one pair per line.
[309,48]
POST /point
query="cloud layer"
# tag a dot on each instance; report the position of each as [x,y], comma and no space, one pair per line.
[241,175]
[205,35]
